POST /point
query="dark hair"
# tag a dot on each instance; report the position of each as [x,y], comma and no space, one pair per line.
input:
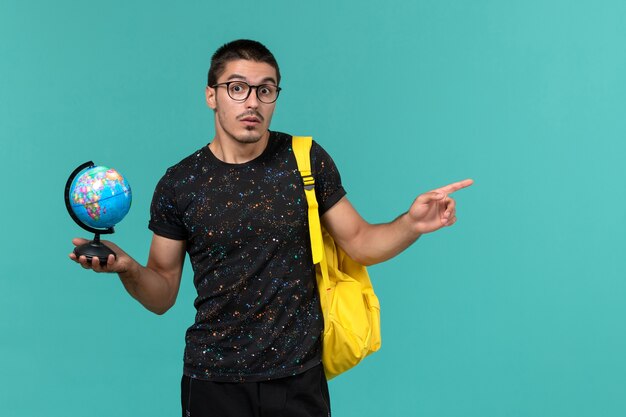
[240,49]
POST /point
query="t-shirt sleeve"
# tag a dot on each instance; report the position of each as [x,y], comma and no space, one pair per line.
[328,187]
[165,218]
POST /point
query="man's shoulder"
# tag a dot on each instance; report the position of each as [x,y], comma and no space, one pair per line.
[278,144]
[279,137]
[194,157]
[285,138]
[189,164]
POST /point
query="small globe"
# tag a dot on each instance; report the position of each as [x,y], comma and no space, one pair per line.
[100,197]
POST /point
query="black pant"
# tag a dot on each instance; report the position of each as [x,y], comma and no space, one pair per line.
[303,395]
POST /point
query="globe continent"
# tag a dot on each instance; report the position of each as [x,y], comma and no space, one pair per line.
[100,197]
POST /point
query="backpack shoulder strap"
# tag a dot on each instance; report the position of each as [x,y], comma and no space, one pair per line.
[302,150]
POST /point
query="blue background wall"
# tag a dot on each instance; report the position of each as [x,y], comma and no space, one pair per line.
[518,310]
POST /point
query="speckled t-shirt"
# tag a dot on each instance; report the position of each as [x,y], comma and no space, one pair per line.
[258,313]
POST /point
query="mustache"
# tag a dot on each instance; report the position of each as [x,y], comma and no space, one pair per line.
[251,113]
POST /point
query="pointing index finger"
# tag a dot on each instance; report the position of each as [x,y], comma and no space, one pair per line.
[455,186]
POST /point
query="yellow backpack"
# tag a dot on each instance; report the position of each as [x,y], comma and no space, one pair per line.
[350,307]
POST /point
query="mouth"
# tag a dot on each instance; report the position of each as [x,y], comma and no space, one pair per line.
[250,119]
[251,116]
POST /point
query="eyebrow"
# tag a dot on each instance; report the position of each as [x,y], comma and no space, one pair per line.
[241,77]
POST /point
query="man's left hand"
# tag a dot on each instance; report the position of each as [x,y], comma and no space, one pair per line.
[435,209]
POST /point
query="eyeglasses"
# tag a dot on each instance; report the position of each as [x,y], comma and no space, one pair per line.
[240,91]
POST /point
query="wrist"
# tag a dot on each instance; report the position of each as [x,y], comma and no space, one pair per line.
[132,272]
[409,226]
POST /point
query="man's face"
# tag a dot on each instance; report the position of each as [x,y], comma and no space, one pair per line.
[243,121]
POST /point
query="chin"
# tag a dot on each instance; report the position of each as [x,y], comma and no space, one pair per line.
[250,136]
[248,139]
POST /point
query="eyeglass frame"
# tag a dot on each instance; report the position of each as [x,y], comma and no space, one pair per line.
[250,87]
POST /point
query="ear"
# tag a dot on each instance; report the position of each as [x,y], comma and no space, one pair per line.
[211,101]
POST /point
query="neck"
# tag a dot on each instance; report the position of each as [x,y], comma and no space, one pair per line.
[233,151]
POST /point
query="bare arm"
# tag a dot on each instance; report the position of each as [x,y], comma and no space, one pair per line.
[374,243]
[156,285]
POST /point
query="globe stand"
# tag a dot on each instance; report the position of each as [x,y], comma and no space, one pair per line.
[94,248]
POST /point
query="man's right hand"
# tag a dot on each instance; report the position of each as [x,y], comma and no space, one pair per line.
[121,263]
[156,285]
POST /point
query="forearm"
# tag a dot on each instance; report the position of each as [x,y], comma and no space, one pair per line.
[153,290]
[375,243]
[156,285]
[370,244]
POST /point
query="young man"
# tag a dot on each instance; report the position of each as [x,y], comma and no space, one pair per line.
[237,207]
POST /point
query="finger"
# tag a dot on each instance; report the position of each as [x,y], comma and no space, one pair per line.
[82,260]
[451,221]
[95,264]
[448,203]
[110,261]
[447,216]
[455,186]
[98,266]
[450,208]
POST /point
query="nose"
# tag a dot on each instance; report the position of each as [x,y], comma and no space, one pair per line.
[252,101]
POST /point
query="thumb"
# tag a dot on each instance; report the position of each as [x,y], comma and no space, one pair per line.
[430,196]
[77,241]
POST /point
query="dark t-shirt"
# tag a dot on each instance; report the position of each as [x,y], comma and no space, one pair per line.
[258,313]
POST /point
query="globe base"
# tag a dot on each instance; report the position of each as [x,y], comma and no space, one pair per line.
[94,249]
